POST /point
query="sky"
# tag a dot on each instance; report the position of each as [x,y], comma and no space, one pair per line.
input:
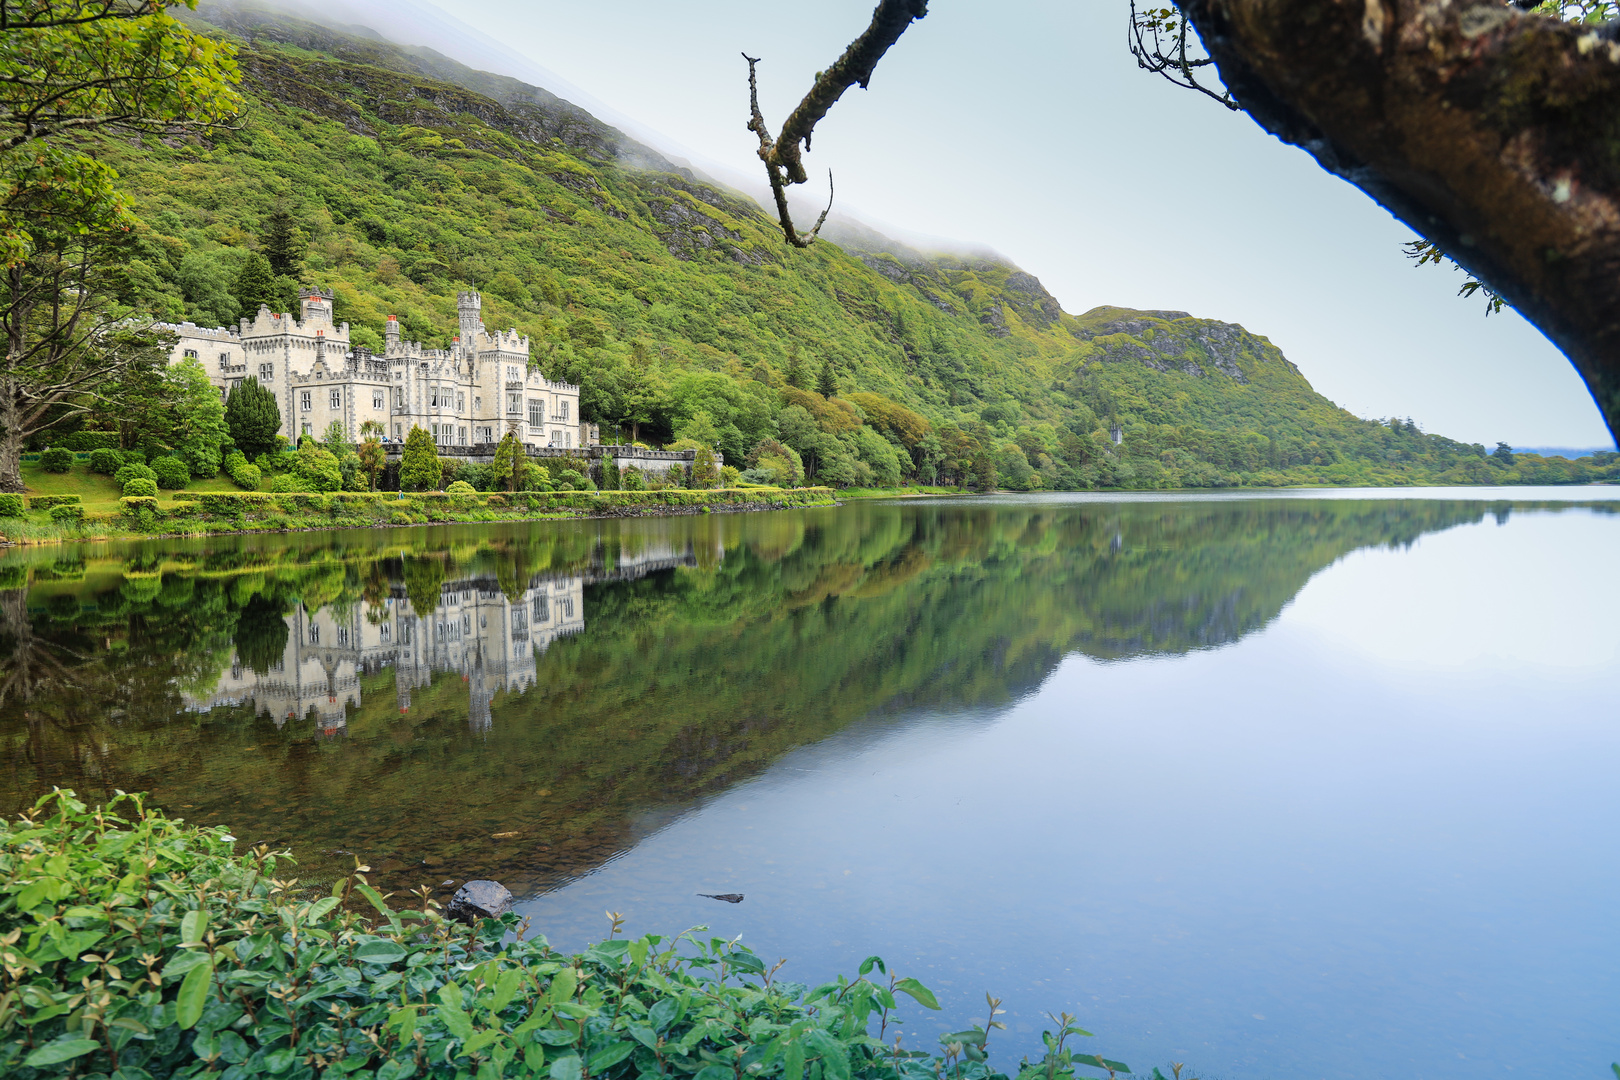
[1024,126]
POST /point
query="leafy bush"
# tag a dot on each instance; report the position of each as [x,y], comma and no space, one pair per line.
[287,481]
[135,505]
[757,476]
[57,459]
[132,470]
[728,475]
[45,502]
[247,476]
[82,441]
[106,461]
[138,486]
[11,505]
[461,487]
[67,513]
[200,962]
[171,472]
[632,480]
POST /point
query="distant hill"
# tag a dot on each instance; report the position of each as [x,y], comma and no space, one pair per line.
[676,306]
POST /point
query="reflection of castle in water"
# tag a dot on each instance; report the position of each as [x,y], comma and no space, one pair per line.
[491,640]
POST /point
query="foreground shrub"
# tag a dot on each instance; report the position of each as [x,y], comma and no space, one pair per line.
[105,461]
[132,470]
[138,946]
[67,513]
[11,506]
[57,459]
[247,476]
[140,486]
[171,472]
[45,502]
[461,487]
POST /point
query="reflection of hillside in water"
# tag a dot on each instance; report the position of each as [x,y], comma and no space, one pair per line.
[572,680]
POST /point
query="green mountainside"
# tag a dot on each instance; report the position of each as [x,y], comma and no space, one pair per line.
[678,309]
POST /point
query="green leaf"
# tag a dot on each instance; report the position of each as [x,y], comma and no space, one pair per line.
[193,995]
[534,1056]
[481,1040]
[662,1013]
[396,1069]
[319,909]
[280,1059]
[506,988]
[611,1055]
[923,995]
[57,1052]
[457,1022]
[376,900]
[1101,1063]
[793,1060]
[193,926]
[873,961]
[563,985]
[713,1072]
[834,1054]
[566,1068]
[183,962]
[554,1037]
[380,952]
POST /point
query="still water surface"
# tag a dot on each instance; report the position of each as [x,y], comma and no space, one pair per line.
[1283,787]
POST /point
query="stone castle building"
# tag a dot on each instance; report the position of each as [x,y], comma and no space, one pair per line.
[470,394]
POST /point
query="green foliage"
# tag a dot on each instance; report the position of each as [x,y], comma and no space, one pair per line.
[11,505]
[171,472]
[827,381]
[56,460]
[632,479]
[141,486]
[705,474]
[129,472]
[319,468]
[247,476]
[610,474]
[106,462]
[282,242]
[205,960]
[461,487]
[506,472]
[255,285]
[419,464]
[252,417]
[198,419]
[70,512]
[46,502]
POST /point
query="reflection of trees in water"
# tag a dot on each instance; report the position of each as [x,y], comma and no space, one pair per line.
[782,629]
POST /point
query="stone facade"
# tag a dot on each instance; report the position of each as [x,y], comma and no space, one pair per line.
[470,394]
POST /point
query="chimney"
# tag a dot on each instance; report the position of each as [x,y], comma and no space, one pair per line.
[320,342]
[391,334]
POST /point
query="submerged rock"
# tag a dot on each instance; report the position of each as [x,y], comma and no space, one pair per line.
[479,900]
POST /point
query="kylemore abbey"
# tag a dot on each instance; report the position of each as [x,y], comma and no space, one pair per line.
[470,394]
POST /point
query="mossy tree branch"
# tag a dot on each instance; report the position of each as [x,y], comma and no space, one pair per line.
[783,156]
[1492,132]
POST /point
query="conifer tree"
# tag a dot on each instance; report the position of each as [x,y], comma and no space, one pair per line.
[419,468]
[704,471]
[796,376]
[827,381]
[282,243]
[253,417]
[255,284]
[509,457]
[984,472]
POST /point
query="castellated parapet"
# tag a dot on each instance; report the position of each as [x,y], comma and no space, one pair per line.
[472,393]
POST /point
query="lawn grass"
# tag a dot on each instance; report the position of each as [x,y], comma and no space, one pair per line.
[99,493]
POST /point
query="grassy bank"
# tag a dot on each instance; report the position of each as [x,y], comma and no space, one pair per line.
[136,946]
[217,506]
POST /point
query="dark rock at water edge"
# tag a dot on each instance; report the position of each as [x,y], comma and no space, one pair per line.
[479,900]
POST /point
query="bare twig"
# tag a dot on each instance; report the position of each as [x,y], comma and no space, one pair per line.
[1158,40]
[783,156]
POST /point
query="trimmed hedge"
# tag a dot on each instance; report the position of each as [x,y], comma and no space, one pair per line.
[67,512]
[45,502]
[132,505]
[140,487]
[106,461]
[11,505]
[89,440]
[57,459]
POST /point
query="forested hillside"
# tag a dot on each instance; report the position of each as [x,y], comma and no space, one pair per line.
[397,177]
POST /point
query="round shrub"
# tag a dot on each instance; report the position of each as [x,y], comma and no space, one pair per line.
[171,472]
[56,459]
[140,485]
[461,487]
[247,476]
[70,512]
[132,470]
[11,506]
[106,462]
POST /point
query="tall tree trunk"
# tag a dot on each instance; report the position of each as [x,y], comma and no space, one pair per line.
[11,440]
[1491,132]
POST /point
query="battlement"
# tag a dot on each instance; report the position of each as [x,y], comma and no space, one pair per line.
[207,333]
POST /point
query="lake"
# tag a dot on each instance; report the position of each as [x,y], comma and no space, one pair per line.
[1320,784]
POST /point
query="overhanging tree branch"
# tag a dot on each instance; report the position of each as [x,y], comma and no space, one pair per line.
[783,156]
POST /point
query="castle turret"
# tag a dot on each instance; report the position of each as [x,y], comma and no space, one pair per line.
[470,306]
[391,333]
[316,304]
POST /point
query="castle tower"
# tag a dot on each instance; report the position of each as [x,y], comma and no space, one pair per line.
[470,306]
[391,334]
[316,303]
